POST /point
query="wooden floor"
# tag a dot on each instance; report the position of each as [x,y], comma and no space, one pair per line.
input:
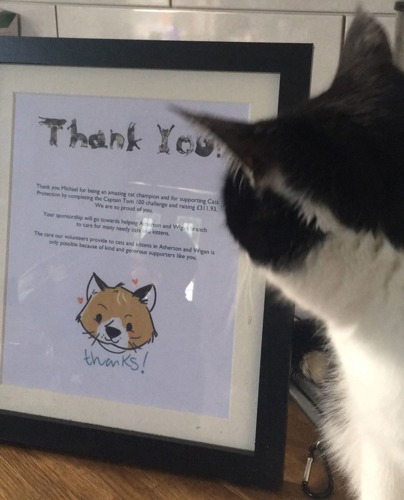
[30,475]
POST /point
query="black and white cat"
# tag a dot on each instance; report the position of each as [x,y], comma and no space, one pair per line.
[316,198]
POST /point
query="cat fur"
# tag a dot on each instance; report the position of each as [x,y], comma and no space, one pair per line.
[316,197]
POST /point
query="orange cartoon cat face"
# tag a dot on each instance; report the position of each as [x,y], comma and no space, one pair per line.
[118,319]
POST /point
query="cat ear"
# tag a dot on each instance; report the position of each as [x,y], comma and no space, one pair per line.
[366,44]
[240,138]
[94,286]
[147,295]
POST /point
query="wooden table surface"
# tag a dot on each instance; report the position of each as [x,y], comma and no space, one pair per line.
[27,474]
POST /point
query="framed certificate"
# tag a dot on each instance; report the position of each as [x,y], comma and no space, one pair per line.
[133,328]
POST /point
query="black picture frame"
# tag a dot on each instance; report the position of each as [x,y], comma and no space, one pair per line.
[263,466]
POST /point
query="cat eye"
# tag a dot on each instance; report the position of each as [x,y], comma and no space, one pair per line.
[98,318]
[129,327]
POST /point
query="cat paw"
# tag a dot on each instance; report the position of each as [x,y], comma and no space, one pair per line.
[314,366]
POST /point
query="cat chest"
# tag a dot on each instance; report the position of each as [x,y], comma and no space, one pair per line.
[372,382]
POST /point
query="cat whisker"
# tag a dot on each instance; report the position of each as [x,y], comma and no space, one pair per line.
[239,174]
[95,339]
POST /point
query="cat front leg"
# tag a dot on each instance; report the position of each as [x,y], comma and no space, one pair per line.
[372,465]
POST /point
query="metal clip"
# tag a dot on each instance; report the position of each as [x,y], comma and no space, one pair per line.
[306,476]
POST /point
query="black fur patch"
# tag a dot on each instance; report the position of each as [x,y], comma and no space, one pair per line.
[271,230]
[345,150]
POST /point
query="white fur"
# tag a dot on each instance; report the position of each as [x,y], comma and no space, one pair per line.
[354,282]
[309,210]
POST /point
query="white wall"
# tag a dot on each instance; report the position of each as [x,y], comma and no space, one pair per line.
[321,22]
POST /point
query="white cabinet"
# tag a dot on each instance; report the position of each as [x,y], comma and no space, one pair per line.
[111,3]
[306,6]
[323,31]
[321,22]
[35,19]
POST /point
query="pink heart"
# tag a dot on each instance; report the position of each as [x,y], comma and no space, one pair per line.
[80,300]
[135,281]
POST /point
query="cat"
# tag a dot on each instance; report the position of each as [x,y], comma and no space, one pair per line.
[116,318]
[75,136]
[316,197]
[132,142]
[116,138]
[97,140]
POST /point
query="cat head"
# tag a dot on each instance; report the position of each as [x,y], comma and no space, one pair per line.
[118,319]
[336,163]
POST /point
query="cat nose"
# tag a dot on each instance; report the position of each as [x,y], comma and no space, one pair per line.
[112,332]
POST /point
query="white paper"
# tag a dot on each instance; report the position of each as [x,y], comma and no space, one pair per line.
[150,214]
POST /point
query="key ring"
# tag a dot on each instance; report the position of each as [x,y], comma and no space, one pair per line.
[310,459]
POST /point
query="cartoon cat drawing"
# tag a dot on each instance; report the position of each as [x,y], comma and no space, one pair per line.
[118,319]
